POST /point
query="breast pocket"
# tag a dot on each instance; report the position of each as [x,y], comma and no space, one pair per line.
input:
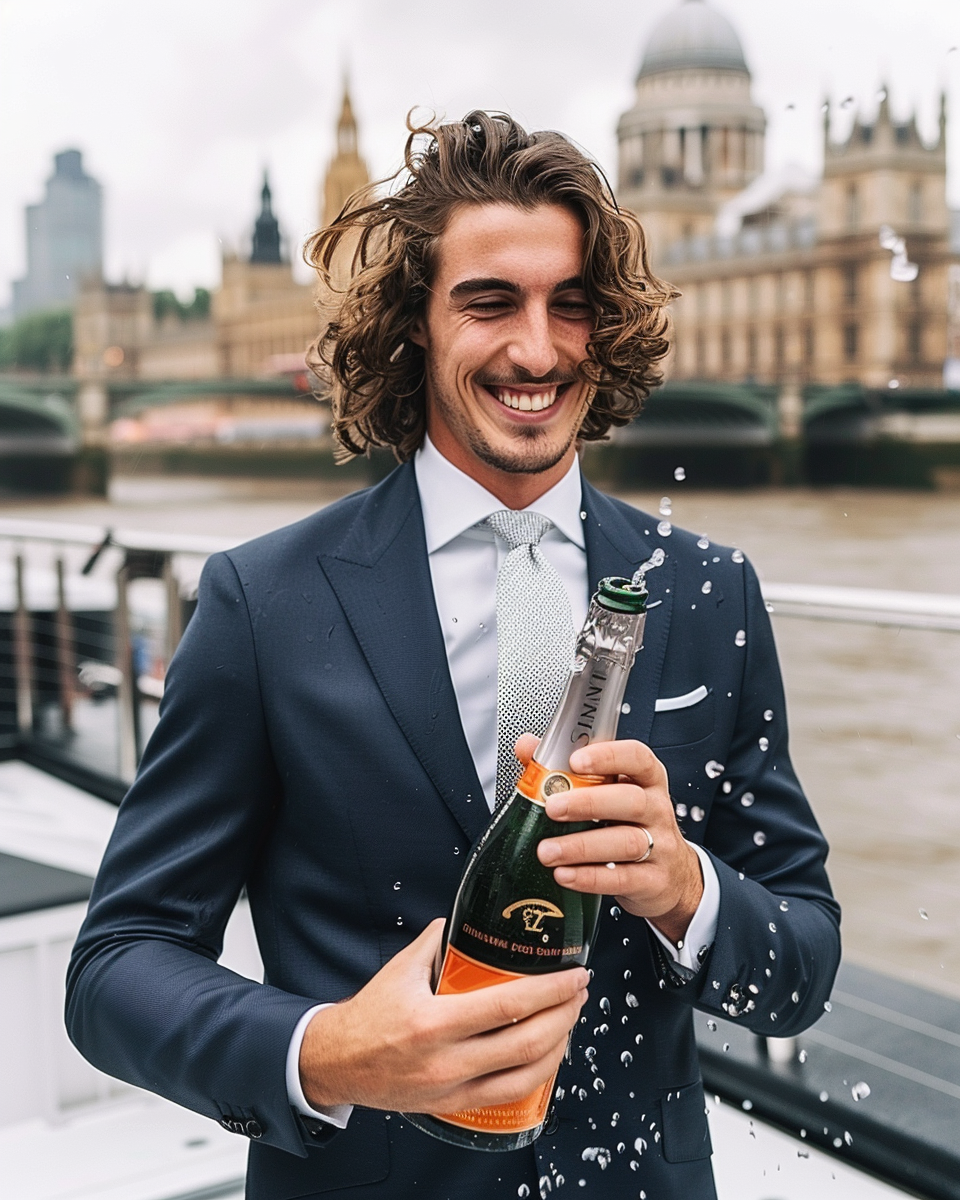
[683,726]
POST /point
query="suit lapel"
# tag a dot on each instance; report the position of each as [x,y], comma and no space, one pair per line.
[381,576]
[617,544]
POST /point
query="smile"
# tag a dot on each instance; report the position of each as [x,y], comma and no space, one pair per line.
[527,401]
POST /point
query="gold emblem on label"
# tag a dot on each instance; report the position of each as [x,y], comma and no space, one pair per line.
[554,784]
[533,913]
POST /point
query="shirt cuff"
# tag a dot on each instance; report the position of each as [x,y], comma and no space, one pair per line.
[335,1114]
[702,930]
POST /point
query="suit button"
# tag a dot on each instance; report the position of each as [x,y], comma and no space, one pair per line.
[253,1129]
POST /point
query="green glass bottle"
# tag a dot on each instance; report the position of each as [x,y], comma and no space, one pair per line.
[511,917]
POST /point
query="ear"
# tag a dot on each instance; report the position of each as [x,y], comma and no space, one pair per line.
[418,333]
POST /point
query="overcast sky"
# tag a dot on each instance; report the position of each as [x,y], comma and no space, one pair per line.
[178,105]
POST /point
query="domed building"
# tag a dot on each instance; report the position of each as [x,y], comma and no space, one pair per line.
[693,138]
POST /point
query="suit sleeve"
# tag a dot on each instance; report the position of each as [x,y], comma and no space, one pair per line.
[146,1000]
[777,946]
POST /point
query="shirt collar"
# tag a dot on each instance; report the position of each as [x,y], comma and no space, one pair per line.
[452,502]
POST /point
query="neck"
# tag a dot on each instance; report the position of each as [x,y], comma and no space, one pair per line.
[514,490]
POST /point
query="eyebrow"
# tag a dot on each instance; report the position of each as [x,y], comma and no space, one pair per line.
[471,287]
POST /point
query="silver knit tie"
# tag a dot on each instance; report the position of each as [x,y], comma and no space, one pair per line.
[535,638]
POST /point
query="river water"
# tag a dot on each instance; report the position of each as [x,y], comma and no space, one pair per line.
[874,712]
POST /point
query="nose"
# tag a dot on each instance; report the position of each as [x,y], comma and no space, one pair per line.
[532,347]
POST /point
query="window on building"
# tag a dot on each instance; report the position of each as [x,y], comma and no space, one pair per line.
[853,206]
[752,351]
[809,347]
[725,349]
[781,290]
[851,342]
[915,342]
[779,343]
[701,353]
[915,207]
[850,284]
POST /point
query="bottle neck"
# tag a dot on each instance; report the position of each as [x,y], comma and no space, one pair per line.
[589,709]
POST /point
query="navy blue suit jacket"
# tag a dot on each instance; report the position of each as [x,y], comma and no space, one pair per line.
[310,750]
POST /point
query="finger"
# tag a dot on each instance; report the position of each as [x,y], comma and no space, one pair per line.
[526,744]
[625,757]
[471,1013]
[638,880]
[602,802]
[607,843]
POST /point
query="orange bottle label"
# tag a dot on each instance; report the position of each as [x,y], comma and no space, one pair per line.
[460,973]
[538,783]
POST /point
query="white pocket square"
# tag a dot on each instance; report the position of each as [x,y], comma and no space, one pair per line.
[670,703]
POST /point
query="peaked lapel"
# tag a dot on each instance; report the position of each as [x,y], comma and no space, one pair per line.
[381,576]
[617,543]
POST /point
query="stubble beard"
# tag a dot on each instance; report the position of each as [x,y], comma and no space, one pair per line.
[531,452]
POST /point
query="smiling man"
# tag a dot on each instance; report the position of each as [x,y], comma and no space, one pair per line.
[341,717]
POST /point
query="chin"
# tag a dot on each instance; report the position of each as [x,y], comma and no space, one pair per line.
[528,454]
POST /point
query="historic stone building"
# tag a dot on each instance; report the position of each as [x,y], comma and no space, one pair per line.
[784,279]
[262,319]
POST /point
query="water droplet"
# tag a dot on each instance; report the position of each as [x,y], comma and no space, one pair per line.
[605,1005]
[747,1105]
[396,886]
[615,912]
[795,997]
[681,810]
[456,849]
[772,927]
[626,1058]
[784,906]
[737,556]
[454,619]
[598,1085]
[679,474]
[726,1047]
[625,708]
[747,799]
[523,1190]
[860,1091]
[768,714]
[640,1145]
[666,506]
[637,1040]
[664,528]
[632,1001]
[604,1028]
[713,769]
[399,920]
[626,941]
[848,1137]
[802,1056]
[803,1153]
[703,541]
[712,1025]
[924,914]
[773,1016]
[707,587]
[760,838]
[763,743]
[827,1006]
[741,638]
[627,973]
[697,813]
[824,1097]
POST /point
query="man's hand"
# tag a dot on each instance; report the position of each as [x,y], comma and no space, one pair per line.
[667,887]
[395,1045]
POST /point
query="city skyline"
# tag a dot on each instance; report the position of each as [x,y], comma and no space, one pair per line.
[204,109]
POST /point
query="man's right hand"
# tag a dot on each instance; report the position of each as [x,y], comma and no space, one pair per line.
[395,1045]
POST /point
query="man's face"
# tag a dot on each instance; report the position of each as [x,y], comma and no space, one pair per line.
[506,324]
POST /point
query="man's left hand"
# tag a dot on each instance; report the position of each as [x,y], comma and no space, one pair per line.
[666,888]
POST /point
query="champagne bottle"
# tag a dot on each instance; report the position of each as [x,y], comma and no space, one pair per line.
[510,917]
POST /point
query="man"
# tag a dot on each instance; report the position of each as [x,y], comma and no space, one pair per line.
[329,739]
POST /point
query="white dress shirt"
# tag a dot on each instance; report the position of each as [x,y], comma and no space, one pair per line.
[464,562]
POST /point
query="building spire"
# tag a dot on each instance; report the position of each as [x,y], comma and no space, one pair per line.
[266,231]
[347,172]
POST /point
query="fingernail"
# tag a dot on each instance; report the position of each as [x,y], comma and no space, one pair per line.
[564,875]
[549,852]
[556,807]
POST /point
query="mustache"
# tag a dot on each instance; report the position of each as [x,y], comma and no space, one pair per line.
[523,378]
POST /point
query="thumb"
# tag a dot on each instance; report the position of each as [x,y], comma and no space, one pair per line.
[526,744]
[420,955]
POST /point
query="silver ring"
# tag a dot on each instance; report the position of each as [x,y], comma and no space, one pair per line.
[649,850]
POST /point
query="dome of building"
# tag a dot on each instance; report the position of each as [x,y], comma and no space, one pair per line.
[693,35]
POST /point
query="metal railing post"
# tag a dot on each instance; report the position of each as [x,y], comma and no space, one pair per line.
[22,654]
[66,664]
[128,715]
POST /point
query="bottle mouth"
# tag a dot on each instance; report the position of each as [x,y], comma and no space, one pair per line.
[621,595]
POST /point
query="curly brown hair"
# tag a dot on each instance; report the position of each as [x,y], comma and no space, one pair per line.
[376,371]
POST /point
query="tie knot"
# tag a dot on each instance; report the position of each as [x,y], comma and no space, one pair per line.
[518,528]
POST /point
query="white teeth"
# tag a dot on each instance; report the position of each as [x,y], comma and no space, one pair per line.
[527,401]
